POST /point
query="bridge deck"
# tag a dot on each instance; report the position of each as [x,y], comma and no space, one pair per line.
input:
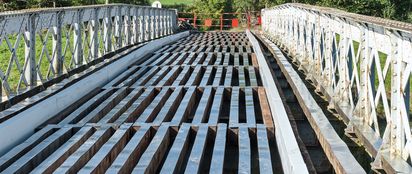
[197,105]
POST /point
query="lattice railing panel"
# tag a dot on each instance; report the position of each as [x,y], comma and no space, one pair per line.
[39,45]
[363,65]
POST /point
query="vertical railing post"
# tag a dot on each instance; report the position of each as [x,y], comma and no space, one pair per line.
[107,30]
[30,51]
[140,14]
[152,23]
[77,39]
[127,26]
[94,30]
[57,44]
[397,138]
[156,22]
[168,22]
[147,24]
[135,23]
[364,107]
[162,27]
[118,27]
[173,19]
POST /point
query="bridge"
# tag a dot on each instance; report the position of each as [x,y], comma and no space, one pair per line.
[121,89]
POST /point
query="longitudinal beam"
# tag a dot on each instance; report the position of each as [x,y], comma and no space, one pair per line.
[338,152]
[292,160]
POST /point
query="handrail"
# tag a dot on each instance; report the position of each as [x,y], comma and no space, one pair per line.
[39,45]
[362,65]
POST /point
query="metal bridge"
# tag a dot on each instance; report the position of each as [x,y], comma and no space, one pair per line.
[119,89]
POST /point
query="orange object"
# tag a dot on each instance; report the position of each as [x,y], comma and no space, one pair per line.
[235,22]
[259,20]
[208,22]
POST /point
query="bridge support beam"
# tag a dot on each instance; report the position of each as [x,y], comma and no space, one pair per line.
[292,160]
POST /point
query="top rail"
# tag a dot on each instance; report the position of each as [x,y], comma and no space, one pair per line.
[38,45]
[362,64]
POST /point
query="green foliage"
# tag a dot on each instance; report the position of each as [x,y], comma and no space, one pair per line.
[391,9]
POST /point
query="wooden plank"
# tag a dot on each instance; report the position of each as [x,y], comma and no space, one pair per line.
[216,106]
[265,161]
[226,60]
[103,108]
[194,48]
[174,159]
[265,109]
[137,107]
[195,77]
[218,76]
[232,49]
[170,59]
[254,60]
[161,59]
[151,111]
[217,48]
[121,106]
[245,155]
[250,107]
[209,48]
[122,76]
[87,107]
[228,77]
[240,48]
[249,49]
[146,77]
[201,48]
[234,107]
[171,105]
[180,59]
[154,153]
[63,152]
[236,59]
[170,49]
[183,110]
[189,60]
[163,49]
[183,76]
[225,49]
[131,153]
[198,150]
[252,76]
[156,78]
[35,156]
[200,57]
[151,59]
[169,77]
[242,78]
[219,58]
[101,160]
[134,77]
[245,59]
[209,59]
[206,76]
[85,152]
[21,149]
[204,106]
[218,156]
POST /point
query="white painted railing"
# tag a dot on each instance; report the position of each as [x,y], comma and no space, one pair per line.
[362,64]
[41,44]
